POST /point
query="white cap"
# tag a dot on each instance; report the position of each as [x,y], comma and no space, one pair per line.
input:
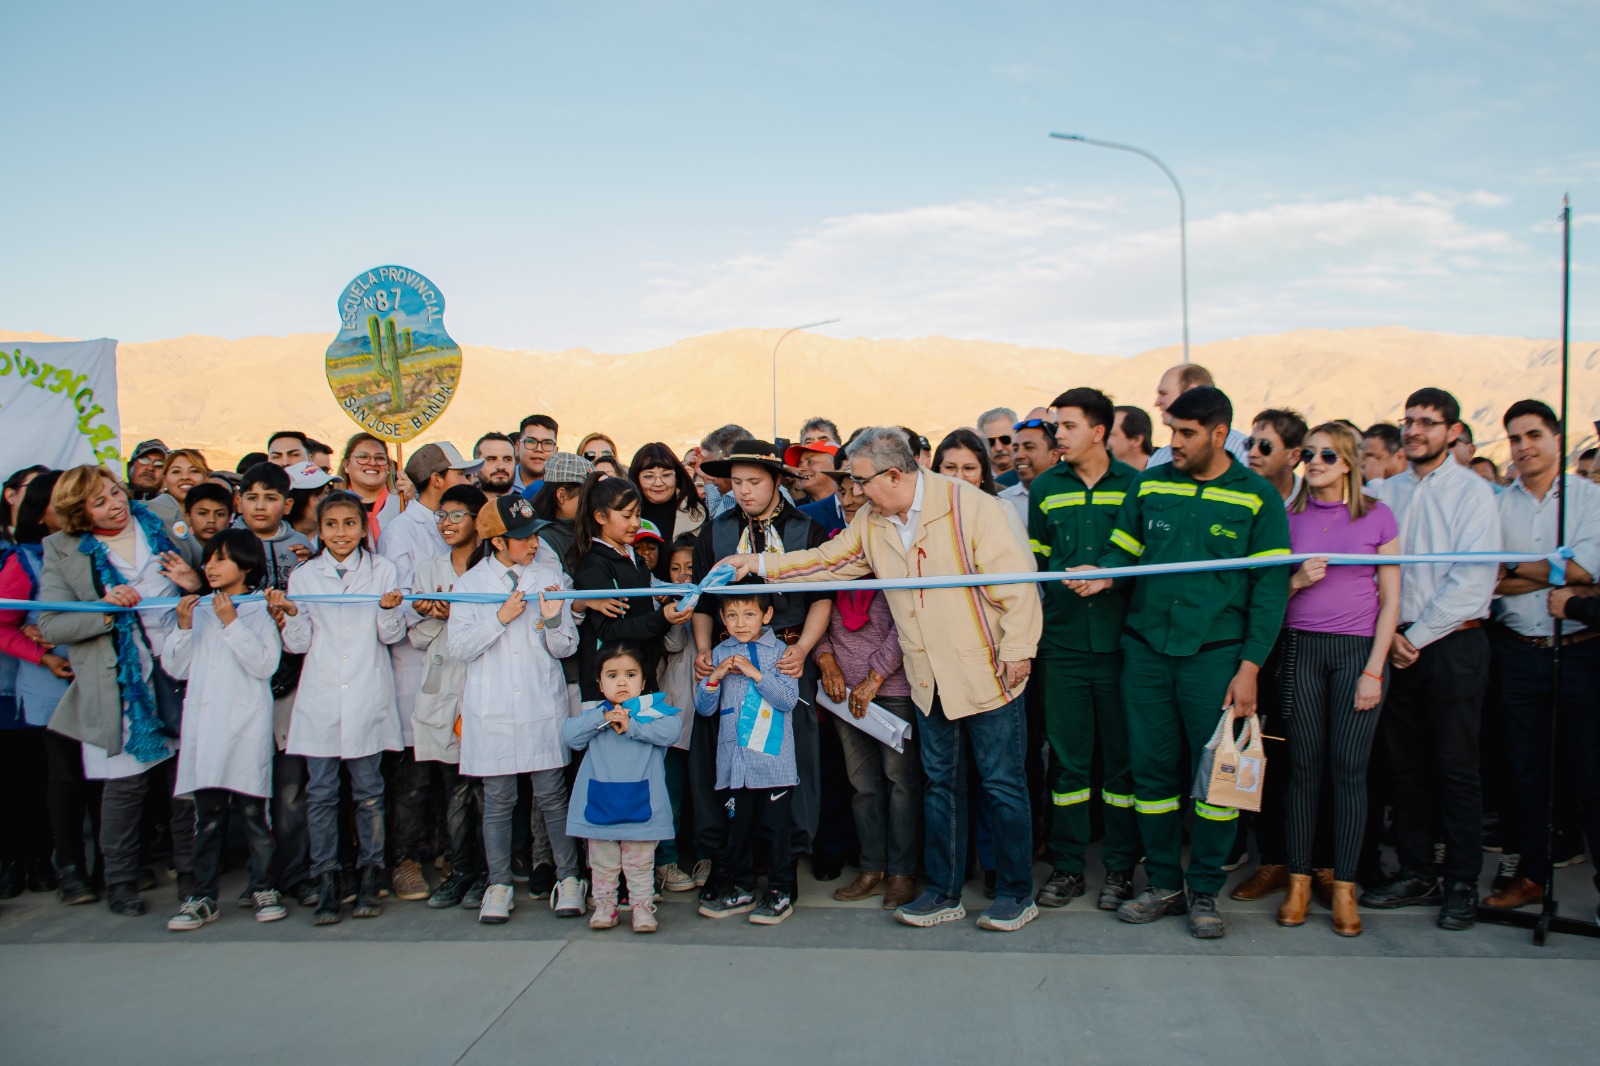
[308,476]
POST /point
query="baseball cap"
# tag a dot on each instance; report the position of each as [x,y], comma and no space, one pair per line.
[431,459]
[154,444]
[565,468]
[648,531]
[511,516]
[308,476]
[791,457]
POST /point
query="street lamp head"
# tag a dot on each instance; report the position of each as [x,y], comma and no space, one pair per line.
[1067,136]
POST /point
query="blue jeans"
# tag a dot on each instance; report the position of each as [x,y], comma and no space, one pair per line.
[322,809]
[998,739]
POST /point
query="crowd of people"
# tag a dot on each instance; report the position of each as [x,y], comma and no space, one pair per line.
[350,740]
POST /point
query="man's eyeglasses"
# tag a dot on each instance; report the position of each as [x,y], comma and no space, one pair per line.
[861,482]
[1004,438]
[535,444]
[456,515]
[1034,423]
[1427,425]
[1327,455]
[1262,444]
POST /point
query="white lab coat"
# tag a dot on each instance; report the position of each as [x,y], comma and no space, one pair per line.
[345,705]
[227,711]
[143,572]
[443,675]
[410,539]
[515,698]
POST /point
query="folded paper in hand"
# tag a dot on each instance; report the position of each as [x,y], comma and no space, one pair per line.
[879,724]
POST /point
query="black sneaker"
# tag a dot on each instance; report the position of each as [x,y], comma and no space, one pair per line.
[450,890]
[1117,890]
[773,908]
[1060,890]
[1505,871]
[1408,889]
[124,899]
[734,901]
[826,867]
[1460,910]
[305,893]
[1204,921]
[541,879]
[473,896]
[1152,904]
[74,890]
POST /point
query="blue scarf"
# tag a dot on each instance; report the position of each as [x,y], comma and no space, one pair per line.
[146,732]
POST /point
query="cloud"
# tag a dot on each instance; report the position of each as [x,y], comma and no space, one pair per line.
[1102,275]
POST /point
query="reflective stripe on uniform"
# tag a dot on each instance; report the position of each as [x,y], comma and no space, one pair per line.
[1108,499]
[1061,499]
[1240,499]
[1114,799]
[1166,488]
[1039,548]
[1068,799]
[1161,806]
[1215,814]
[1127,543]
[1269,551]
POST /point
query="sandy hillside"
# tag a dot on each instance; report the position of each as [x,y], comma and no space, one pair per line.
[226,396]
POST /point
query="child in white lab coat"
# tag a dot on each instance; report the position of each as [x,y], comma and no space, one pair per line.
[345,713]
[227,653]
[515,699]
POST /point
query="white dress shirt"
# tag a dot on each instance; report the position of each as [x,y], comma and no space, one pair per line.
[907,526]
[1530,526]
[1450,509]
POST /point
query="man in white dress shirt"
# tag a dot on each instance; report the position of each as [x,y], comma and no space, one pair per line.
[411,537]
[1174,383]
[1441,658]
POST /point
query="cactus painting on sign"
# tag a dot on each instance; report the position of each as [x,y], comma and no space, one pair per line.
[393,369]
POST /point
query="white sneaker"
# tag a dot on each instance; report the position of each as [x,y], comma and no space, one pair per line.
[497,905]
[702,873]
[673,879]
[567,898]
[194,913]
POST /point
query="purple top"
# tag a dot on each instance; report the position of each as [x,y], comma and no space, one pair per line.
[1346,600]
[875,646]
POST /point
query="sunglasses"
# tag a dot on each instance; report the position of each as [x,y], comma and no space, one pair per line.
[1004,438]
[1327,455]
[1035,423]
[592,456]
[1261,444]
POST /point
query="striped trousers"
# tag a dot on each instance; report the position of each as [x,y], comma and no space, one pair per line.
[1328,738]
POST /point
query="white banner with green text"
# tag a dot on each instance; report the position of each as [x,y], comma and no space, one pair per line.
[58,404]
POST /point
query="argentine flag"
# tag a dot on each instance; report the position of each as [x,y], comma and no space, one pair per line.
[760,725]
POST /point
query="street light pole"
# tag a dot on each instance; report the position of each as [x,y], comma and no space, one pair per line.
[792,329]
[1183,221]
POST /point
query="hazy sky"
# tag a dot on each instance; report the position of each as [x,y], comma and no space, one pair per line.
[617,176]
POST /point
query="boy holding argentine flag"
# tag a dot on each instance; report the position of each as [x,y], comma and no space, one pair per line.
[756,773]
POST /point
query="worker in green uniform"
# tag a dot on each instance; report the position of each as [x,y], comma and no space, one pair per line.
[1072,508]
[1193,643]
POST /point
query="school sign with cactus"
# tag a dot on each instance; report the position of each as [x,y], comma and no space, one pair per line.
[393,369]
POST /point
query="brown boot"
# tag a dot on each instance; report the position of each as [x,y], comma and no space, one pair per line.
[1297,902]
[867,883]
[898,890]
[1518,893]
[1346,917]
[1322,886]
[1261,884]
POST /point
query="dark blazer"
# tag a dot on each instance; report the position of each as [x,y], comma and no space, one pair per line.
[91,709]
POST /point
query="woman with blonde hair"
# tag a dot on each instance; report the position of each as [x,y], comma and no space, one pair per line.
[119,704]
[185,469]
[1340,623]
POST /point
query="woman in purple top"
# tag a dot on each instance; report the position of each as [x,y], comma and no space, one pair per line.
[1340,623]
[861,653]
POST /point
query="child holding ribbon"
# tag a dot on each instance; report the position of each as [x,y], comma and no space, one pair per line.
[756,773]
[619,802]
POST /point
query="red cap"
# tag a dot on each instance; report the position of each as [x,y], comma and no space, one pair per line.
[791,457]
